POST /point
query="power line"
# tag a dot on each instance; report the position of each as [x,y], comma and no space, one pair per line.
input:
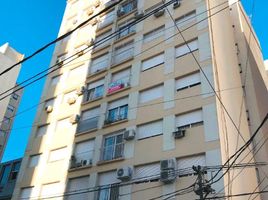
[116,2]
[237,195]
[111,38]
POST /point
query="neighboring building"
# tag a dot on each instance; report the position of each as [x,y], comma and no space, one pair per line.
[8,119]
[8,176]
[266,66]
[9,105]
[138,100]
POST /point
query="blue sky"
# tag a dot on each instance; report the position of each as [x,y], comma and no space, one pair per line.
[29,25]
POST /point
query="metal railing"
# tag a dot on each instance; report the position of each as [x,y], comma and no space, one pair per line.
[112,152]
[87,124]
[119,84]
[82,159]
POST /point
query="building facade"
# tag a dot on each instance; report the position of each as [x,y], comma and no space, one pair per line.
[9,105]
[130,115]
[8,176]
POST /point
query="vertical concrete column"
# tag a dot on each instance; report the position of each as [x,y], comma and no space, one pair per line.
[205,87]
[92,183]
[204,47]
[210,122]
[135,74]
[103,110]
[168,128]
[132,105]
[107,80]
[169,60]
[169,94]
[125,192]
[97,152]
[199,17]
[129,145]
[169,26]
[213,157]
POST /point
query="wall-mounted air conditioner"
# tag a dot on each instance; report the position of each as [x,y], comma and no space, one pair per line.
[179,133]
[49,109]
[80,90]
[124,173]
[159,13]
[129,134]
[74,119]
[139,15]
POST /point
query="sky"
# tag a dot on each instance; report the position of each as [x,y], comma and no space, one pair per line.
[28,25]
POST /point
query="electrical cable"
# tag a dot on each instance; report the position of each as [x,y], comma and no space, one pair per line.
[62,37]
[237,195]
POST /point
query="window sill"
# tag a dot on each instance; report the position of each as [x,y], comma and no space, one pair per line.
[122,62]
[96,73]
[115,123]
[124,37]
[90,101]
[96,50]
[79,168]
[127,14]
[102,28]
[117,91]
[103,162]
[85,132]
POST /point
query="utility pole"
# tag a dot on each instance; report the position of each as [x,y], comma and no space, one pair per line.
[201,186]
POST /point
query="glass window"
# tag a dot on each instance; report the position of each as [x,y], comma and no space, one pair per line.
[128,7]
[153,62]
[5,174]
[125,29]
[41,130]
[113,147]
[188,81]
[15,170]
[154,34]
[109,188]
[15,96]
[189,119]
[123,52]
[151,94]
[184,49]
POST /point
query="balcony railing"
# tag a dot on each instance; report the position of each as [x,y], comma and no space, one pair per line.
[112,152]
[87,124]
[82,159]
[118,85]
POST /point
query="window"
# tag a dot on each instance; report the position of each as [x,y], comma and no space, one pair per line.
[95,90]
[55,80]
[188,162]
[117,110]
[57,154]
[158,32]
[10,108]
[189,119]
[110,192]
[152,62]
[103,39]
[78,184]
[78,72]
[188,81]
[5,172]
[186,19]
[147,172]
[89,120]
[113,147]
[150,129]
[125,29]
[123,52]
[127,7]
[14,171]
[106,19]
[15,96]
[26,193]
[34,160]
[49,102]
[6,120]
[50,190]
[83,154]
[119,81]
[99,64]
[2,133]
[151,94]
[41,130]
[183,49]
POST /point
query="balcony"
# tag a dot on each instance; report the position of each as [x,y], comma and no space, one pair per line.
[83,159]
[117,114]
[87,125]
[112,152]
[118,85]
[125,30]
[94,94]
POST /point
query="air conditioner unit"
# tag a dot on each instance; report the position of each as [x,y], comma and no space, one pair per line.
[168,164]
[75,21]
[71,100]
[80,90]
[139,14]
[75,163]
[94,21]
[120,12]
[159,13]
[97,3]
[49,109]
[180,133]
[90,42]
[59,61]
[90,11]
[129,134]
[86,162]
[168,175]
[176,4]
[74,119]
[124,173]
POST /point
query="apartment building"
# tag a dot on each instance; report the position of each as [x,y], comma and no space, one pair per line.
[8,173]
[130,115]
[9,105]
